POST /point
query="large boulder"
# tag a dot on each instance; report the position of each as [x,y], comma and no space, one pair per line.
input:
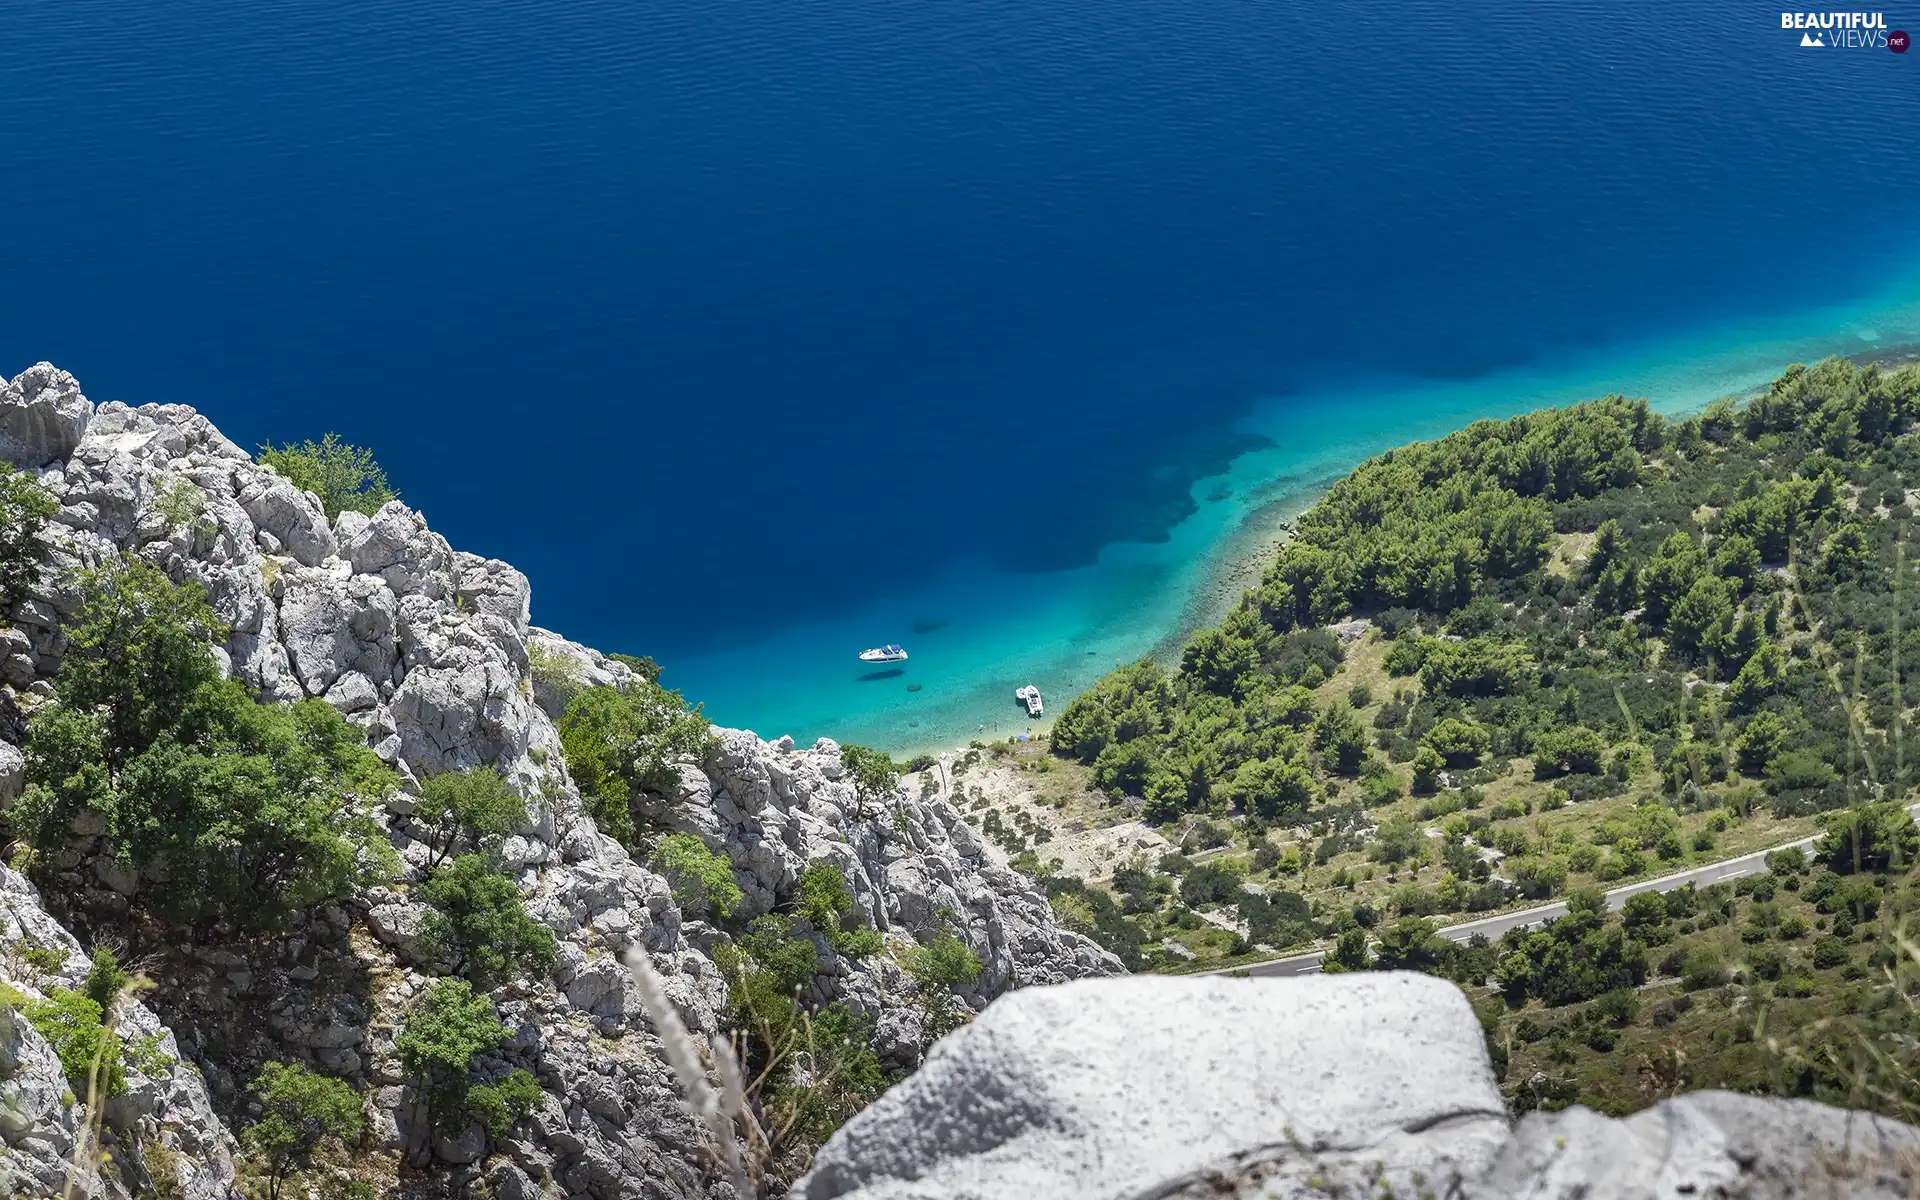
[293,518]
[1133,1087]
[1372,1084]
[1707,1144]
[43,416]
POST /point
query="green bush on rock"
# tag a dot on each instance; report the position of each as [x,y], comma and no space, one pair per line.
[622,745]
[448,1027]
[345,478]
[477,806]
[299,1111]
[24,509]
[702,881]
[478,921]
[255,810]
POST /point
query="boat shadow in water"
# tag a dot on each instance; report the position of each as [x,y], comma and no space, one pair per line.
[876,676]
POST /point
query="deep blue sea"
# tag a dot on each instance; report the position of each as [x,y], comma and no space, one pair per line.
[760,331]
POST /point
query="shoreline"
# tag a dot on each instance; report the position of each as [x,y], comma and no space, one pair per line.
[989,628]
[1238,559]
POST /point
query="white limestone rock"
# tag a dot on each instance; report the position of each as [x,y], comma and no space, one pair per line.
[13,774]
[293,517]
[1706,1144]
[1121,1088]
[396,544]
[43,416]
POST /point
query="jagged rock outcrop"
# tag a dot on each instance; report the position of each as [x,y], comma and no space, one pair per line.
[430,651]
[161,1132]
[1364,1085]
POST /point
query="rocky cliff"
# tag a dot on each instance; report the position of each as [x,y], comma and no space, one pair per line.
[432,653]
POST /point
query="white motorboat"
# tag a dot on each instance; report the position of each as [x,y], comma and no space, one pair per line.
[1029,696]
[887,653]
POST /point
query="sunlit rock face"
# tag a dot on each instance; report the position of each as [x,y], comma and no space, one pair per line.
[430,651]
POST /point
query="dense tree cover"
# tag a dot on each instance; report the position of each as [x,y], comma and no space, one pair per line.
[1728,581]
[1693,623]
[344,477]
[24,509]
[623,745]
[227,809]
[1801,982]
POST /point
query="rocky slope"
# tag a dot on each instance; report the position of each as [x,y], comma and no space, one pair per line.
[431,652]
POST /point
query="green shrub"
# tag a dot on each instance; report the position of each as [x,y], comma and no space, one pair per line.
[944,963]
[105,979]
[640,665]
[299,1110]
[940,966]
[874,774]
[448,1026]
[555,671]
[1209,884]
[502,1105]
[256,810]
[71,1023]
[477,806]
[478,920]
[181,505]
[345,478]
[621,745]
[44,959]
[24,509]
[1460,743]
[1869,837]
[819,1067]
[702,881]
[826,902]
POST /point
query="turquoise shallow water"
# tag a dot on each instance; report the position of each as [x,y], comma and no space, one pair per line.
[978,632]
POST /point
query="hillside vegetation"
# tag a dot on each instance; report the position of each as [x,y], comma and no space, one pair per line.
[1542,657]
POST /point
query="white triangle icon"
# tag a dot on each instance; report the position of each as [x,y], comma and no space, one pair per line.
[1809,39]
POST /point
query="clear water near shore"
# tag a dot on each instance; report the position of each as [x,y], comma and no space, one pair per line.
[997,630]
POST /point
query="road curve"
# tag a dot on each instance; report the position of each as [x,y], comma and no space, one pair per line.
[1494,927]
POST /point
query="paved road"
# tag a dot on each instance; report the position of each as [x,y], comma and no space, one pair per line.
[1493,927]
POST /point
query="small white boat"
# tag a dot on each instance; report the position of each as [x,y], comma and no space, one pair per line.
[887,653]
[1029,696]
